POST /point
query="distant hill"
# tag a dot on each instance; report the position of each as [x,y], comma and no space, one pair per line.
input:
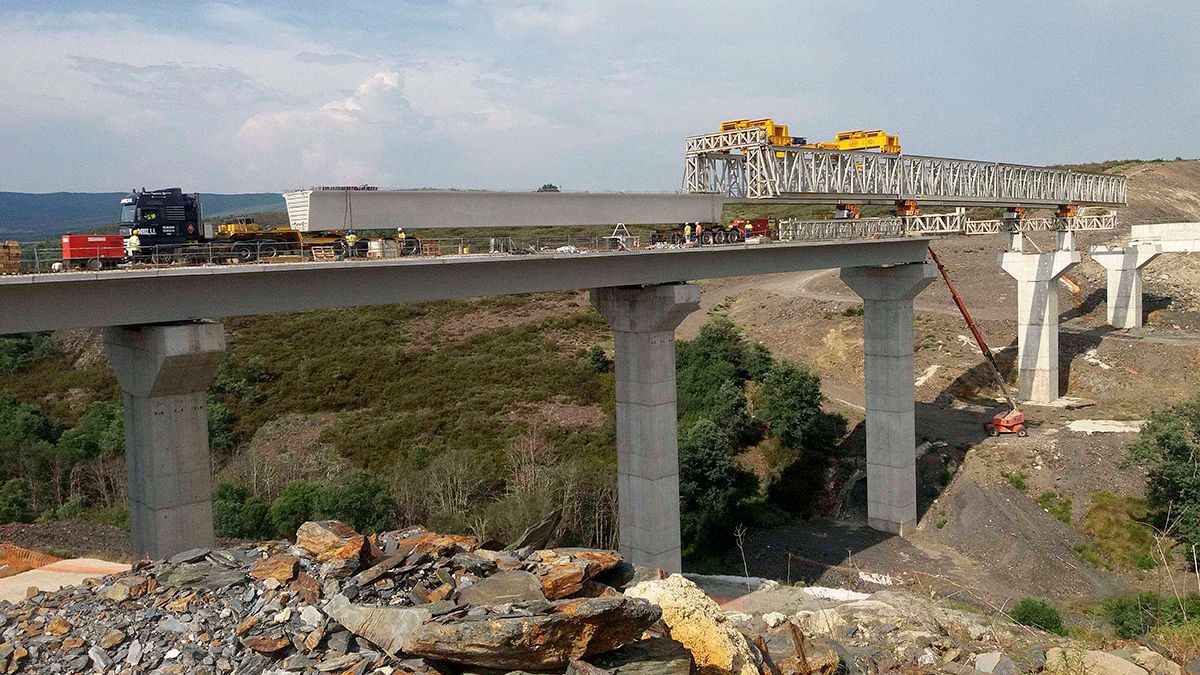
[27,216]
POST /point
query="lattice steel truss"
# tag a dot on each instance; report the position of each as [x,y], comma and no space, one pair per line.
[743,164]
[933,223]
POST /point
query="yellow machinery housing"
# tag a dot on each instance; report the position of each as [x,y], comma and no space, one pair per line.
[862,140]
[776,133]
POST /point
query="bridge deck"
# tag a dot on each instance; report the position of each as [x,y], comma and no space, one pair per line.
[83,299]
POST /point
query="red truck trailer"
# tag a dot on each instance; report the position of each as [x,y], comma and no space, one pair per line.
[93,251]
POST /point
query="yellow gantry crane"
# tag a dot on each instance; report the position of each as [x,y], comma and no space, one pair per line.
[858,139]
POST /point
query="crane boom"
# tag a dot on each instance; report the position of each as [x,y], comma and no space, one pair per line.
[966,314]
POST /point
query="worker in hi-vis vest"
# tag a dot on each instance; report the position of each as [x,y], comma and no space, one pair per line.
[400,234]
[133,244]
[687,233]
[351,240]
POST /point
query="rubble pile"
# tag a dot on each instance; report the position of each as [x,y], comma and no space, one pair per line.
[408,601]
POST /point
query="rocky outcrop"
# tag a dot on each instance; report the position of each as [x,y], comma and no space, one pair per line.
[408,601]
[697,622]
[571,629]
[1066,661]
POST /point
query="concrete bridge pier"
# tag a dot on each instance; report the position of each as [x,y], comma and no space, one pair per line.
[887,294]
[164,371]
[643,320]
[1124,267]
[1037,319]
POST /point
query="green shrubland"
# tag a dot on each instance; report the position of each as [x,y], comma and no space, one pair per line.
[445,426]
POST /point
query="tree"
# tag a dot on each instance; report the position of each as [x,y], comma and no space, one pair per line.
[100,433]
[1169,446]
[718,354]
[293,507]
[548,187]
[711,487]
[14,502]
[791,405]
[362,500]
[237,514]
[598,361]
[19,351]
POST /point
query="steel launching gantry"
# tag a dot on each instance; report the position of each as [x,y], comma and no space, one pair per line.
[745,164]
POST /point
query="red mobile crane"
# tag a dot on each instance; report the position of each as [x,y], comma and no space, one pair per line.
[1013,421]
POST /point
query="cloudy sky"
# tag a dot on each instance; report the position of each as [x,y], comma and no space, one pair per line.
[263,96]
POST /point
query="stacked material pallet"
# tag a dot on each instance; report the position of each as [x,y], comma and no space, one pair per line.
[10,258]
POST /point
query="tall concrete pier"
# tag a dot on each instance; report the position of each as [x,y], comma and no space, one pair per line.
[1124,267]
[887,294]
[643,320]
[164,371]
[1037,319]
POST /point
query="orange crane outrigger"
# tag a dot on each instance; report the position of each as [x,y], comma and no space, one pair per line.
[1013,421]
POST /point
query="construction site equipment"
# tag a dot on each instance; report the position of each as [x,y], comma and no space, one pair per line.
[1011,421]
[93,251]
[170,226]
[874,139]
[744,163]
[776,133]
[708,234]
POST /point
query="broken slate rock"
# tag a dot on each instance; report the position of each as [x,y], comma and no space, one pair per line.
[386,627]
[655,656]
[504,587]
[330,539]
[203,575]
[573,630]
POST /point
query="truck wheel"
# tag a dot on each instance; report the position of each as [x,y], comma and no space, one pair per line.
[410,246]
[733,236]
[95,264]
[706,238]
[244,253]
[676,239]
[267,251]
[993,431]
[719,237]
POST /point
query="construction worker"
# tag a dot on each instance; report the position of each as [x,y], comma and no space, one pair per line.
[687,233]
[133,244]
[400,234]
[351,240]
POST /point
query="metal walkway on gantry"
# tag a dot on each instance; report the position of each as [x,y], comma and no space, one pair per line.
[743,164]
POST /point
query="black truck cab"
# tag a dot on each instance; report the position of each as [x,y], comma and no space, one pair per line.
[162,217]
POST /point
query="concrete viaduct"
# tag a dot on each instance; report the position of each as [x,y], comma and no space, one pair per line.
[165,348]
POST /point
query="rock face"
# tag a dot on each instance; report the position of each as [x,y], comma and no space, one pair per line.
[571,630]
[697,622]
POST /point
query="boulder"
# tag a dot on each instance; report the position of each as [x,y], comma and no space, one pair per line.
[126,588]
[564,577]
[386,627]
[281,567]
[328,540]
[572,630]
[1155,663]
[696,621]
[1063,661]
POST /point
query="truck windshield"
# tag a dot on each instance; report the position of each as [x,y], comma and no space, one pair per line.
[127,213]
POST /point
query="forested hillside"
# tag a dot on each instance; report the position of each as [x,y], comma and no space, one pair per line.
[27,216]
